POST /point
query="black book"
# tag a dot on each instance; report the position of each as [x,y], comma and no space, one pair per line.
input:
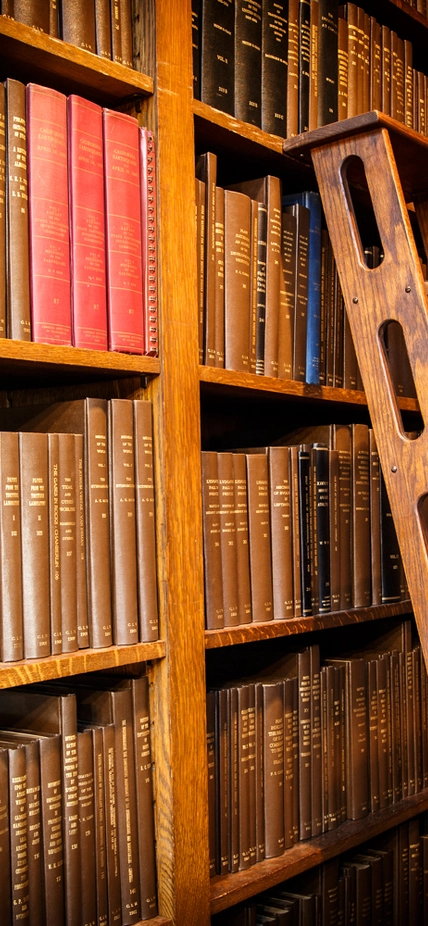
[304,464]
[389,550]
[274,66]
[321,515]
[327,62]
[304,63]
[248,51]
[217,54]
[196,51]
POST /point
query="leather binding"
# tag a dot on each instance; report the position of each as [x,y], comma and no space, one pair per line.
[274,67]
[361,589]
[122,521]
[330,346]
[18,831]
[375,101]
[261,286]
[196,47]
[33,464]
[259,804]
[304,63]
[342,443]
[103,28]
[259,537]
[7,8]
[304,503]
[351,14]
[302,663]
[67,537]
[339,312]
[295,516]
[222,777]
[123,232]
[144,795]
[248,61]
[219,278]
[357,793]
[417,716]
[322,500]
[12,642]
[281,531]
[30,746]
[386,69]
[200,250]
[313,69]
[237,254]
[242,540]
[4,835]
[273,763]
[53,19]
[409,714]
[57,904]
[334,530]
[116,31]
[2,211]
[206,171]
[290,781]
[350,365]
[327,62]
[390,551]
[342,68]
[287,296]
[228,540]
[267,190]
[244,808]
[252,747]
[17,247]
[373,739]
[414,869]
[112,848]
[384,745]
[323,307]
[145,522]
[364,44]
[81,578]
[48,225]
[252,348]
[100,823]
[126,32]
[149,241]
[85,786]
[217,55]
[293,69]
[302,215]
[35,13]
[54,546]
[214,611]
[211,764]
[424,721]
[78,24]
[398,102]
[87,221]
[396,737]
[408,84]
[232,724]
[316,745]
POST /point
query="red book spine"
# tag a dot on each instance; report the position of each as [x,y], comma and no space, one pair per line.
[87,224]
[49,216]
[123,232]
[148,240]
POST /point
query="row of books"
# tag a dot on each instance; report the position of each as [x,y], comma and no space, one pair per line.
[270,300]
[77,834]
[78,565]
[298,530]
[383,882]
[296,65]
[103,27]
[78,234]
[309,743]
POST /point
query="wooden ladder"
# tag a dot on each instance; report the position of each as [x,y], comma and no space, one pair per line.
[395,162]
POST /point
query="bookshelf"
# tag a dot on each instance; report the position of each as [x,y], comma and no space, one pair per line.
[193,406]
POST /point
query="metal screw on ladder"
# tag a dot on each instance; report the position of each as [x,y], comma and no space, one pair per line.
[408,289]
[393,469]
[355,299]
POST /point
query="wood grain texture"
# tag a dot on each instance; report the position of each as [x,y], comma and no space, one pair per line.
[30,55]
[231,889]
[179,688]
[249,633]
[89,660]
[23,360]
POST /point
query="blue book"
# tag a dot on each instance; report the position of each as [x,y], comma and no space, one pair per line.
[312,201]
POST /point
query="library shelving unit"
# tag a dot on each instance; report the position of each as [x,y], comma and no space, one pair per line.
[194,407]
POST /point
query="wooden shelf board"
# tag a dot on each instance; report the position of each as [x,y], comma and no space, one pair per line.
[232,379]
[25,359]
[28,54]
[27,671]
[267,630]
[230,889]
[155,921]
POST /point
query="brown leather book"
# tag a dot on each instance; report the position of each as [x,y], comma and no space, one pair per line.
[295,515]
[314,69]
[273,761]
[35,13]
[301,214]
[12,642]
[103,28]
[53,19]
[78,24]
[206,171]
[363,58]
[259,537]
[353,47]
[2,212]
[116,37]
[408,84]
[126,32]
[214,611]
[398,102]
[259,804]
[144,794]
[281,531]
[200,257]
[145,522]
[254,234]
[328,755]
[293,69]
[342,68]
[384,743]
[375,65]
[386,69]
[252,773]
[232,729]
[18,274]
[211,768]
[373,738]
[244,807]
[81,576]
[63,539]
[122,521]
[290,780]
[261,287]
[237,289]
[229,560]
[112,846]
[287,296]
[356,713]
[18,831]
[334,530]
[57,904]
[316,743]
[242,537]
[85,789]
[219,277]
[342,443]
[222,775]
[361,588]
[99,825]
[33,466]
[375,523]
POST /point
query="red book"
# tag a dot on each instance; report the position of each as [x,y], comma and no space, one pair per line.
[148,240]
[123,232]
[87,224]
[49,216]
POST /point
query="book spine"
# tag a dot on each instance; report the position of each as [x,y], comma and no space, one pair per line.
[219,278]
[254,221]
[103,28]
[342,443]
[243,777]
[261,286]
[316,744]
[99,826]
[375,521]
[241,524]
[304,63]
[196,47]
[375,65]
[123,232]
[328,62]
[321,492]
[301,304]
[54,546]
[5,878]
[85,786]
[295,517]
[53,850]
[237,251]
[273,763]
[78,24]
[48,217]
[293,69]
[68,529]
[274,67]
[206,171]
[126,32]
[200,252]
[214,612]
[259,537]
[19,834]
[34,833]
[304,503]
[281,531]
[211,768]
[287,296]
[408,83]
[252,774]
[81,574]
[33,460]
[53,19]
[144,795]
[360,517]
[17,245]
[2,211]
[149,241]
[145,522]
[34,13]
[122,521]
[389,549]
[290,783]
[12,640]
[247,54]
[228,539]
[233,779]
[342,69]
[222,778]
[305,742]
[386,69]
[112,842]
[87,222]
[97,523]
[334,530]
[314,66]
[217,55]
[272,197]
[126,804]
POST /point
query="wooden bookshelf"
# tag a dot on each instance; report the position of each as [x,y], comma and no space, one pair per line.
[22,361]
